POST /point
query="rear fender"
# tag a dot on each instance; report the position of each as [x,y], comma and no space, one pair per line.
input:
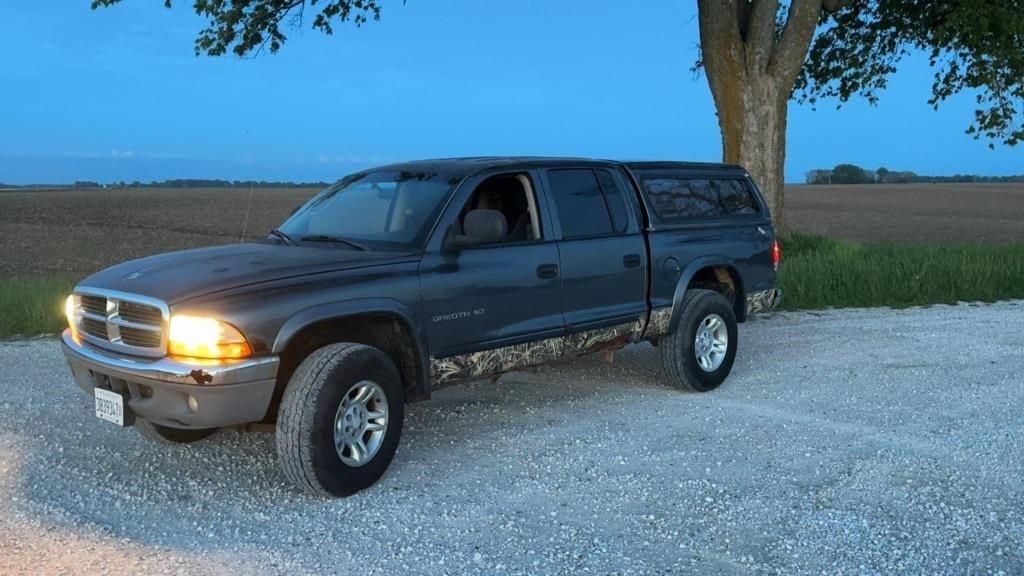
[687,275]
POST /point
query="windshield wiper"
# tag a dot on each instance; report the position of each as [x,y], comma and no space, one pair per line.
[284,237]
[333,239]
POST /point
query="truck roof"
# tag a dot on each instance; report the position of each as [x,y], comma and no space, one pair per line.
[471,164]
[696,166]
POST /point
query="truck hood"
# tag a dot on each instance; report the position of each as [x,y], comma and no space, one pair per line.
[177,276]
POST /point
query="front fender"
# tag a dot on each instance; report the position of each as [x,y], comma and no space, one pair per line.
[361,307]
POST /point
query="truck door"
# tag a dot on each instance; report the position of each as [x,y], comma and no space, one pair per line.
[499,294]
[602,249]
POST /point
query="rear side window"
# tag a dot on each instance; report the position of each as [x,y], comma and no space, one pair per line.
[582,208]
[615,200]
[675,200]
[735,196]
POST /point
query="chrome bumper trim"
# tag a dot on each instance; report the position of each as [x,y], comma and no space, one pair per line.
[198,371]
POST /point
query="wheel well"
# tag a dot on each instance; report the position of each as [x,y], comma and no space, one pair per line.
[382,331]
[725,280]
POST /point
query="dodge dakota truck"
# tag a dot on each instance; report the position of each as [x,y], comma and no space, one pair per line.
[399,280]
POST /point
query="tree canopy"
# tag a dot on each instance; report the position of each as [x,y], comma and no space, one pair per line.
[972,45]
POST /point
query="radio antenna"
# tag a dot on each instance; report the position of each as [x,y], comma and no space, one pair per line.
[248,206]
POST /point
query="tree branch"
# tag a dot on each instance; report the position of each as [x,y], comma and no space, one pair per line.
[792,47]
[761,36]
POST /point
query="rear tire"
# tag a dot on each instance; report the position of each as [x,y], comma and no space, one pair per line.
[340,419]
[168,435]
[705,322]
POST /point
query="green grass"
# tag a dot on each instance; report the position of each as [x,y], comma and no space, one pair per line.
[819,272]
[30,306]
[816,272]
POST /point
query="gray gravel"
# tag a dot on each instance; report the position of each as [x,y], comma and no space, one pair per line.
[845,442]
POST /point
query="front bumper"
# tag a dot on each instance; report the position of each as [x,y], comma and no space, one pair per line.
[225,392]
[763,300]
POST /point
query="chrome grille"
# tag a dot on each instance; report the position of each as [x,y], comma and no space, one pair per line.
[140,313]
[94,304]
[143,338]
[124,322]
[95,328]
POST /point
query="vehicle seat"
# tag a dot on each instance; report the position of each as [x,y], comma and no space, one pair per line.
[521,232]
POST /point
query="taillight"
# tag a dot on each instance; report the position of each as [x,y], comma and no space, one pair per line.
[776,254]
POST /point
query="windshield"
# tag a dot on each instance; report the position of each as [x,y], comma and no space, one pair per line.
[385,210]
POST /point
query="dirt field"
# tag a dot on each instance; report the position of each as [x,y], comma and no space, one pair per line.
[931,213]
[78,232]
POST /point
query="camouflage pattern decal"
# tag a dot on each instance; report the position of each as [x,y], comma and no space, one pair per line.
[491,362]
[660,320]
[761,301]
[588,341]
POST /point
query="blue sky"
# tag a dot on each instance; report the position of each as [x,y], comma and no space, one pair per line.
[117,94]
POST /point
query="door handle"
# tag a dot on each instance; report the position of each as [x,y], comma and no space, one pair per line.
[631,260]
[547,270]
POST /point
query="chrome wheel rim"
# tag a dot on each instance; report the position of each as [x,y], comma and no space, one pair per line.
[711,343]
[360,423]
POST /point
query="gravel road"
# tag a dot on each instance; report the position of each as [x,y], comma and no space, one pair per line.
[845,442]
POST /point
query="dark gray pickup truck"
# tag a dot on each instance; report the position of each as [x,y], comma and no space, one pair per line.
[401,279]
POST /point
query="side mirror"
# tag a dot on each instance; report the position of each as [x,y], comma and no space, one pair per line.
[479,227]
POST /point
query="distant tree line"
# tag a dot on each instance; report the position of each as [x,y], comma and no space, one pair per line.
[177,183]
[853,174]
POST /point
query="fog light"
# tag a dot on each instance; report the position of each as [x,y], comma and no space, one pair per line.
[193,404]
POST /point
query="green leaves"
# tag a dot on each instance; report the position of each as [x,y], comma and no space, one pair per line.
[974,46]
[247,27]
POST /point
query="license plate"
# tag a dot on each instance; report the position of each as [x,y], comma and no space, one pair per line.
[109,406]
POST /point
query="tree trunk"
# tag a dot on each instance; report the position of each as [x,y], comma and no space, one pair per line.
[752,66]
[754,136]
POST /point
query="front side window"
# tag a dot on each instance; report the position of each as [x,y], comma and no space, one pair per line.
[511,195]
[386,209]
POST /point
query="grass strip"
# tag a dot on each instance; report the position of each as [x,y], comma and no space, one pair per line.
[33,305]
[819,272]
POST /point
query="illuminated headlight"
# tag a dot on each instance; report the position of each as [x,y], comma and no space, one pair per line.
[198,337]
[71,313]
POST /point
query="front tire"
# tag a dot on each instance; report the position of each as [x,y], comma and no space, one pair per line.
[699,354]
[340,419]
[167,435]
